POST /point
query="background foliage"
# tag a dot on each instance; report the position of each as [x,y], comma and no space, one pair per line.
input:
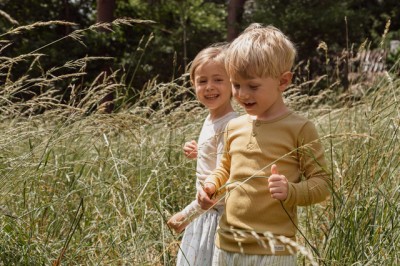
[80,186]
[181,28]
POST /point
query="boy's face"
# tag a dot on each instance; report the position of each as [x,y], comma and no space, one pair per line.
[212,85]
[261,97]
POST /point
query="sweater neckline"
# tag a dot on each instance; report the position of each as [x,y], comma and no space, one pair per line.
[252,119]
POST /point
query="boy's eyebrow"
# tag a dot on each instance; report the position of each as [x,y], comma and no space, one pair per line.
[244,79]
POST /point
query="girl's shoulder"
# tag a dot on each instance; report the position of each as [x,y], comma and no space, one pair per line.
[226,118]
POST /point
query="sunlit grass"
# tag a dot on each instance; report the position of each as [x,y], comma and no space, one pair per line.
[80,186]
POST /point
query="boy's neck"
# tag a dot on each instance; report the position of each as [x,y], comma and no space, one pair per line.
[283,111]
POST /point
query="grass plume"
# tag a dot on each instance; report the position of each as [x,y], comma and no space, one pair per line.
[128,169]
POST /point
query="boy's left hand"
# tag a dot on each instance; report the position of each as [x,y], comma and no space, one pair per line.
[204,196]
[278,184]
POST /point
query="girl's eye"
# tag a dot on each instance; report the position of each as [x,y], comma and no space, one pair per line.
[236,86]
[254,87]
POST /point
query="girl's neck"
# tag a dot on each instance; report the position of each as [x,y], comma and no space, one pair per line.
[220,112]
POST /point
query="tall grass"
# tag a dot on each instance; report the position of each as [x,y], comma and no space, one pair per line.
[359,225]
[81,187]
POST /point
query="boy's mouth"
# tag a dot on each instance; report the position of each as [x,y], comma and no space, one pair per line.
[249,104]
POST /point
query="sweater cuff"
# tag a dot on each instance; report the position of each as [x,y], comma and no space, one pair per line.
[213,181]
[291,197]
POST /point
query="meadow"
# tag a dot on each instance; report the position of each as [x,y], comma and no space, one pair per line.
[84,187]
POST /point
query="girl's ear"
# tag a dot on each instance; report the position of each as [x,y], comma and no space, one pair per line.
[285,80]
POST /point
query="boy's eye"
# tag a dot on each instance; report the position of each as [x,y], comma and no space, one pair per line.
[253,87]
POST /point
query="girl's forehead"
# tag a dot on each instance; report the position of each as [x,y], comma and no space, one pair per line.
[210,67]
[210,63]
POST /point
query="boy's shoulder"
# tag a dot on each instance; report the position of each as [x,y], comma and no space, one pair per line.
[239,120]
[295,120]
[296,117]
[291,119]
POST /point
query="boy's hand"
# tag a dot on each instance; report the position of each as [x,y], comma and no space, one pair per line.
[178,222]
[278,184]
[204,196]
[190,149]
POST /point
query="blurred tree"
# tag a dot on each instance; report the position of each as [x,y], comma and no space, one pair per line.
[105,13]
[234,20]
[343,25]
[182,28]
[105,10]
[28,12]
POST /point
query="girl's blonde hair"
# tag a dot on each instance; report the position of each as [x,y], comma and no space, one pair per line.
[260,52]
[215,52]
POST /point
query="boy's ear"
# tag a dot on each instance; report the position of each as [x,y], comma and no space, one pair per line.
[285,80]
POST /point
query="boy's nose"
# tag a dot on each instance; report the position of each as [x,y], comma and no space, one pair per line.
[243,94]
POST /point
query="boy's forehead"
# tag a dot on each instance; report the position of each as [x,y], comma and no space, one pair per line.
[243,78]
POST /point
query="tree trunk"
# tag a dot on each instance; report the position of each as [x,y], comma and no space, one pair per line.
[66,16]
[105,10]
[105,13]
[235,12]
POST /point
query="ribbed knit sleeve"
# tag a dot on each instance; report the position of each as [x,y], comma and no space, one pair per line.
[314,185]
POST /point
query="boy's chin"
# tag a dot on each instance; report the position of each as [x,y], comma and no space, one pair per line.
[250,111]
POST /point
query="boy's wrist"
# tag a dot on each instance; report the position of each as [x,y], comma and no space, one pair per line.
[288,201]
[211,181]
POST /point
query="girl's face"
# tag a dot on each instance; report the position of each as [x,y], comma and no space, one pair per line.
[212,85]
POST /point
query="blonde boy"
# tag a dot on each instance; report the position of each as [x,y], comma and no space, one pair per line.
[273,160]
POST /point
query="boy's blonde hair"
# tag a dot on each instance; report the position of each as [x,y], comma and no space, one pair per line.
[260,52]
[215,52]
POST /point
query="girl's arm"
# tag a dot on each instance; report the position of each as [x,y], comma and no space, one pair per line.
[180,220]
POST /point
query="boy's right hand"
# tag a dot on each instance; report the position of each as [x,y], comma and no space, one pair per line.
[178,222]
[190,149]
[204,196]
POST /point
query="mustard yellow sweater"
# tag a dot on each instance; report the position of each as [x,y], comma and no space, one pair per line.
[251,147]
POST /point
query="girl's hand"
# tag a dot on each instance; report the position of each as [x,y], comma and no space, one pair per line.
[204,196]
[278,184]
[190,149]
[178,222]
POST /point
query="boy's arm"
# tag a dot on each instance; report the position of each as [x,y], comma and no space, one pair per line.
[315,186]
[213,183]
[219,176]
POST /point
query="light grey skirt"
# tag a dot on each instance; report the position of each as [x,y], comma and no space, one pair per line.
[197,246]
[226,258]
